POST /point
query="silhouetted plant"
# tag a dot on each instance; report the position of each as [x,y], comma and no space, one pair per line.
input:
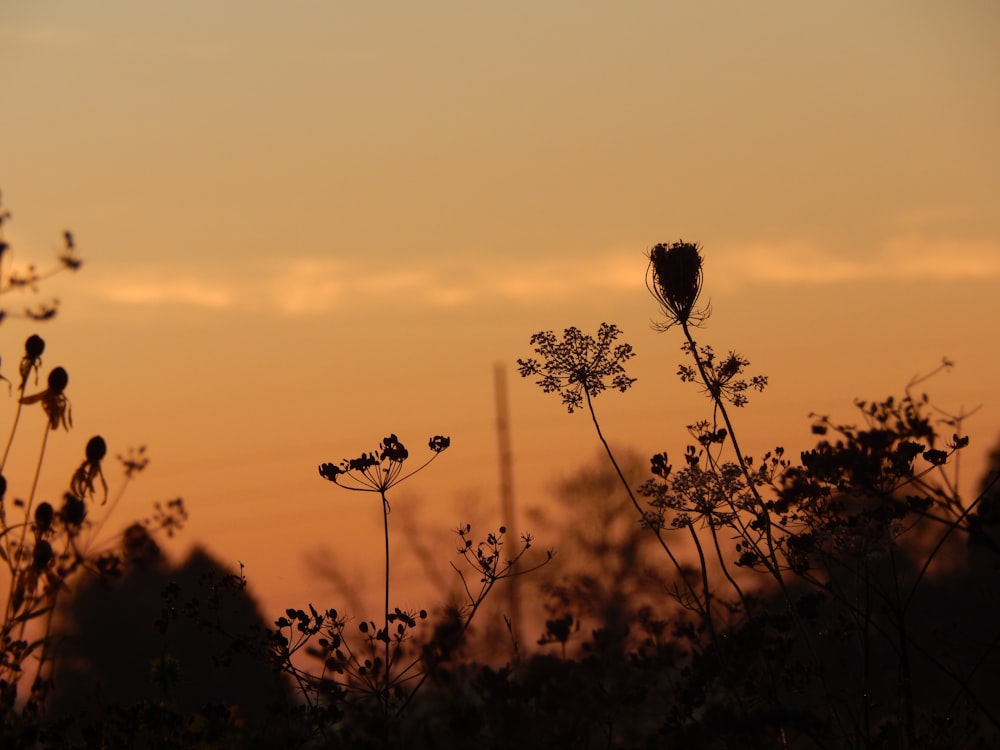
[815,557]
[371,672]
[189,650]
[46,547]
[844,600]
[378,472]
[15,277]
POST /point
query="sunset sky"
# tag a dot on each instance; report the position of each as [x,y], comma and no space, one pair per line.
[306,225]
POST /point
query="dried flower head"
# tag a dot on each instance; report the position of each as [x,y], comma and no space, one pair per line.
[42,556]
[32,359]
[381,469]
[135,461]
[54,400]
[73,512]
[720,377]
[44,515]
[82,483]
[579,364]
[34,346]
[68,256]
[674,278]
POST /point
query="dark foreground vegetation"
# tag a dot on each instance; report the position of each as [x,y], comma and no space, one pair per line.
[703,599]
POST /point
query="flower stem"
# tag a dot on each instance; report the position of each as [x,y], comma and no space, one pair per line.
[770,558]
[631,496]
[385,632]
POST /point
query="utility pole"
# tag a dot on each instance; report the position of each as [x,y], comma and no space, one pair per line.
[507,506]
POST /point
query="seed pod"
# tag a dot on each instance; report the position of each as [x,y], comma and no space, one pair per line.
[676,280]
[42,555]
[34,347]
[74,510]
[58,380]
[97,449]
[43,517]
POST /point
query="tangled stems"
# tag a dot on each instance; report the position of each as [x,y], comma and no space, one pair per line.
[579,367]
[487,561]
[674,277]
[703,607]
[722,384]
[377,472]
[34,346]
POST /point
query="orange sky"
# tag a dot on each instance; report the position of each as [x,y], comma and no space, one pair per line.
[306,226]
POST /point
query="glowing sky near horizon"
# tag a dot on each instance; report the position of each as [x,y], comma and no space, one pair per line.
[309,224]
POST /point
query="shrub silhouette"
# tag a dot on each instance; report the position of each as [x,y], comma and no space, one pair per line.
[137,642]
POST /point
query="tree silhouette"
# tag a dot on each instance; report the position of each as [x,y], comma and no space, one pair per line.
[175,637]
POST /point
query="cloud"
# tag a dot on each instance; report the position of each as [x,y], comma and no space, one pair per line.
[907,258]
[164,291]
[310,286]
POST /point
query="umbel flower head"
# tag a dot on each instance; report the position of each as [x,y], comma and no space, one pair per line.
[578,365]
[381,469]
[674,278]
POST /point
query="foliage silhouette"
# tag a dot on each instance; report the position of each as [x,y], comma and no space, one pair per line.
[47,546]
[16,277]
[844,599]
[817,585]
[156,655]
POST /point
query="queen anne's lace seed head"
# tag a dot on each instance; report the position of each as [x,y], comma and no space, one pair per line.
[674,278]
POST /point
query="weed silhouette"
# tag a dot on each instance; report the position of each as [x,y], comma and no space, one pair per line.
[843,598]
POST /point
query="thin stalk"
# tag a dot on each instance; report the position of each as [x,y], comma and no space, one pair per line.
[770,560]
[866,696]
[46,646]
[385,632]
[720,405]
[635,503]
[905,676]
[475,601]
[13,431]
[704,580]
[940,543]
[27,516]
[94,533]
[727,574]
[3,463]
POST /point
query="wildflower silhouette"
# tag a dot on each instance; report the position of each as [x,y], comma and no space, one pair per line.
[54,400]
[30,362]
[674,277]
[719,376]
[34,347]
[381,469]
[82,483]
[578,366]
[378,472]
[12,279]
